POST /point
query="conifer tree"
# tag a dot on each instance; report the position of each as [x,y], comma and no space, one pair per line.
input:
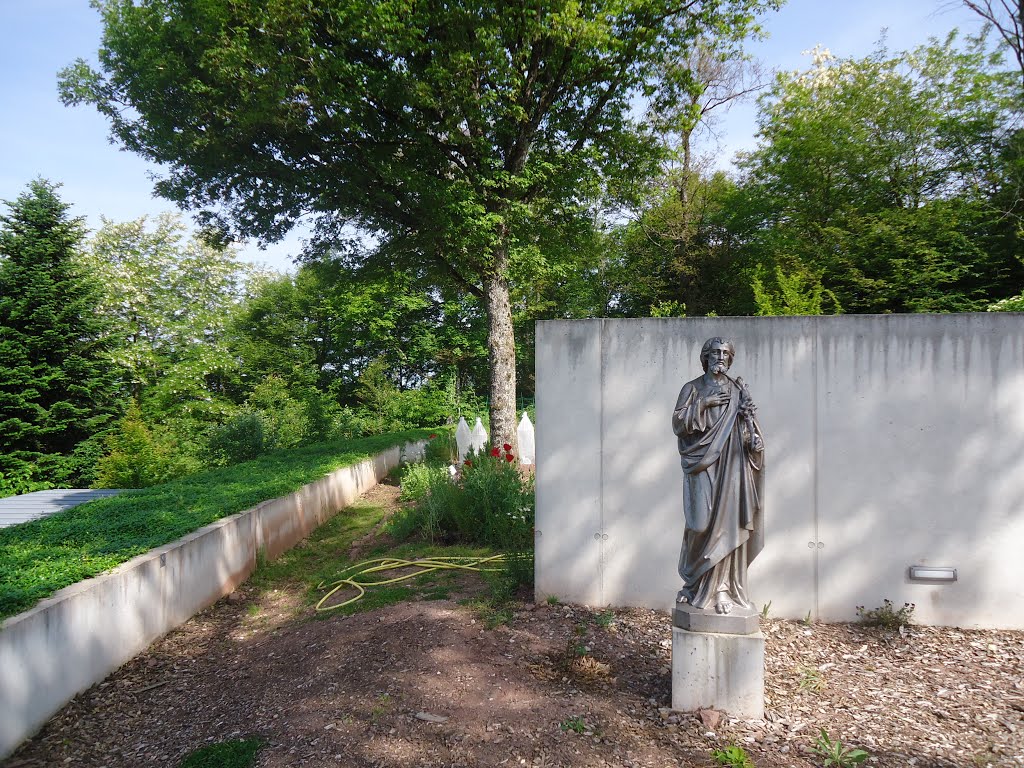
[57,383]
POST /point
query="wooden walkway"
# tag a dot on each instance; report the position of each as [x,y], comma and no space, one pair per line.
[32,506]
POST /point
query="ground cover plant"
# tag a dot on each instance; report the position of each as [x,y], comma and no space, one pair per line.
[42,556]
[227,754]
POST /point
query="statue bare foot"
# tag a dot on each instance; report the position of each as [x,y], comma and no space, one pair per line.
[723,604]
[681,596]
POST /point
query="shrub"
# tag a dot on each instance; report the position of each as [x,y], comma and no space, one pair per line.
[139,456]
[284,420]
[417,479]
[886,616]
[441,449]
[357,422]
[23,481]
[241,439]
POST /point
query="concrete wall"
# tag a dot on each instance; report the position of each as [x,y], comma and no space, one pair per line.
[84,632]
[892,441]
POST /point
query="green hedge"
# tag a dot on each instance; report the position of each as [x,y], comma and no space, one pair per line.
[42,556]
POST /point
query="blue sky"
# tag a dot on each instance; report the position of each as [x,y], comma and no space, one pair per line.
[41,137]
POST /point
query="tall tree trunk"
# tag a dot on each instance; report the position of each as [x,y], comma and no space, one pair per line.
[501,345]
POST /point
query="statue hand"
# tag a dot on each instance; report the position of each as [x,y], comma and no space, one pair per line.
[719,398]
[756,443]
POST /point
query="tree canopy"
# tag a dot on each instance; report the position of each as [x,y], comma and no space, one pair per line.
[448,131]
[879,174]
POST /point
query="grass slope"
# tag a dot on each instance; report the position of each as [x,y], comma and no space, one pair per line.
[42,556]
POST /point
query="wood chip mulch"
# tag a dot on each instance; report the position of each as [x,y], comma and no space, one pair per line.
[425,684]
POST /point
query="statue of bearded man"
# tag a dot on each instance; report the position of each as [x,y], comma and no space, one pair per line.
[722,453]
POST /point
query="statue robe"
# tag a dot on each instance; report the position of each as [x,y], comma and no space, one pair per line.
[723,483]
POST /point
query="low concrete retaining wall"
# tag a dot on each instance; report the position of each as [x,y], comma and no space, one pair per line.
[76,638]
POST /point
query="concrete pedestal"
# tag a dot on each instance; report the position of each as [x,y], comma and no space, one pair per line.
[716,671]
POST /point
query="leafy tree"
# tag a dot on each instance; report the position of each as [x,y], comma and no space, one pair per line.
[681,254]
[1007,17]
[57,384]
[797,294]
[173,297]
[448,131]
[283,330]
[881,175]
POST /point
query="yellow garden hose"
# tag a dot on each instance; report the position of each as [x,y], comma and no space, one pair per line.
[383,564]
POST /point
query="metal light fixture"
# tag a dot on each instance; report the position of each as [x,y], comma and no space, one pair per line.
[932,573]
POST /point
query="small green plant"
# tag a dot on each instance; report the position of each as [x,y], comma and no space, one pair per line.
[807,619]
[732,757]
[765,608]
[552,600]
[605,619]
[811,679]
[489,613]
[886,616]
[381,707]
[441,449]
[227,754]
[417,479]
[575,646]
[834,753]
[575,724]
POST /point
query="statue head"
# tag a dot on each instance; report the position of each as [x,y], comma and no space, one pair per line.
[705,351]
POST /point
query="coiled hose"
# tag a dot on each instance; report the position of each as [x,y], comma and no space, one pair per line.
[354,575]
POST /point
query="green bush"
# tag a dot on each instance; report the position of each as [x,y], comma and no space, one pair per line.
[241,439]
[25,480]
[284,417]
[139,456]
[417,479]
[351,423]
[886,616]
[441,448]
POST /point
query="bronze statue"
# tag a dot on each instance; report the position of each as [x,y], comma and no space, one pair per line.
[721,448]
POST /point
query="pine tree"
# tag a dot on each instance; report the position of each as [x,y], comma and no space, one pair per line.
[57,383]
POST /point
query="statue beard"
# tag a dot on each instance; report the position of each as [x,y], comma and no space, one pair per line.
[719,368]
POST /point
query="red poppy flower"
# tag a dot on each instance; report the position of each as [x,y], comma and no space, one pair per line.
[433,437]
[509,457]
[495,452]
[507,447]
[468,463]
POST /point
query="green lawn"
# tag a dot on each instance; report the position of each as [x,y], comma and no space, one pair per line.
[42,556]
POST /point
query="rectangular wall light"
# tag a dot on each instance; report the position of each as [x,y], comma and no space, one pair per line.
[932,573]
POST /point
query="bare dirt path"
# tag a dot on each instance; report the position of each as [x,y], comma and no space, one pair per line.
[425,683]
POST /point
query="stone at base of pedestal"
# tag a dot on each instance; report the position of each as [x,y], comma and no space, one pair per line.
[740,622]
[713,671]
